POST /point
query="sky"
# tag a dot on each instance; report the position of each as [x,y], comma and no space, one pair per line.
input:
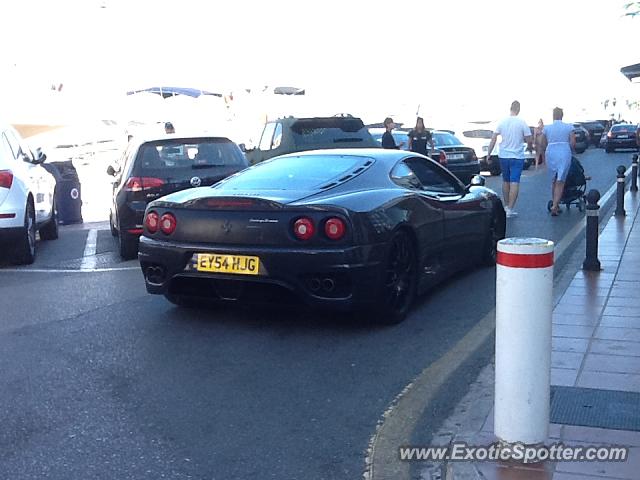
[456,58]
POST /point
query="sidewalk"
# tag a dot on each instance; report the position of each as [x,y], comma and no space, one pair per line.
[596,345]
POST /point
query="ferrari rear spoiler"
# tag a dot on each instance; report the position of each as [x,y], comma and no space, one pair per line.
[233,203]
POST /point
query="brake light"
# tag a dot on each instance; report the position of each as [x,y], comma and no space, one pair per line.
[152,221]
[138,184]
[168,224]
[303,228]
[334,228]
[6,178]
[442,158]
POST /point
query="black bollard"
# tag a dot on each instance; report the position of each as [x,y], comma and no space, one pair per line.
[620,197]
[591,261]
[634,173]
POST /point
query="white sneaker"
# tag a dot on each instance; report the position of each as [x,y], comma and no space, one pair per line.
[510,213]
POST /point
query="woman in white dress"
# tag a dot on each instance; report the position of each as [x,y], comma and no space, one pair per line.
[559,140]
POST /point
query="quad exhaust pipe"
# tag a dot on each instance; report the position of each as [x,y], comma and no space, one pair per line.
[155,274]
[326,285]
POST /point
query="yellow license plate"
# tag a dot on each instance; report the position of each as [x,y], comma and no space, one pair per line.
[235,264]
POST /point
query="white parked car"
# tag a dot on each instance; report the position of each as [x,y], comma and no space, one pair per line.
[26,197]
[478,137]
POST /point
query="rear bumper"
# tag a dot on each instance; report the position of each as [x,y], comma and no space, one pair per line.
[622,143]
[10,235]
[345,279]
[131,217]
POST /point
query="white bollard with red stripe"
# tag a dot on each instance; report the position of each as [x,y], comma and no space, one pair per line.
[524,304]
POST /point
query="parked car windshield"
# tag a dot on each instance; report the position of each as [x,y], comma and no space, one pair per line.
[183,158]
[443,139]
[329,131]
[297,173]
[623,128]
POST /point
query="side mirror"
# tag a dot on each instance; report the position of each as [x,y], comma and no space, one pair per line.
[111,171]
[477,181]
[243,147]
[40,157]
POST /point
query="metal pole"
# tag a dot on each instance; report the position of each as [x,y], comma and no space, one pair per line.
[620,192]
[591,262]
[523,340]
[634,173]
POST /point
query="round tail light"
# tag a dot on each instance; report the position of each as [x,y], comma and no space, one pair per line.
[152,221]
[168,223]
[334,228]
[303,228]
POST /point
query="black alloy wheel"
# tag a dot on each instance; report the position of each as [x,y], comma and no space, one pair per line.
[128,245]
[494,235]
[26,247]
[400,277]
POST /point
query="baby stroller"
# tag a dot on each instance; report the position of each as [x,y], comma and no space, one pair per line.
[574,188]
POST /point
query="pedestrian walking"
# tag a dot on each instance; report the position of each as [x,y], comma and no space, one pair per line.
[538,143]
[169,128]
[387,138]
[420,139]
[560,141]
[514,132]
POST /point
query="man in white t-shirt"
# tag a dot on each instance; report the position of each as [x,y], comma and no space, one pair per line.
[514,132]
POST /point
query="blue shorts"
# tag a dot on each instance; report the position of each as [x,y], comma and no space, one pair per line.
[511,169]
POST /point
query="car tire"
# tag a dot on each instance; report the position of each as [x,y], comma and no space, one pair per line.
[400,281]
[50,230]
[26,247]
[112,227]
[128,245]
[495,234]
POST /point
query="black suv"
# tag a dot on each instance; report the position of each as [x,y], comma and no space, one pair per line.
[289,135]
[582,137]
[158,167]
[596,130]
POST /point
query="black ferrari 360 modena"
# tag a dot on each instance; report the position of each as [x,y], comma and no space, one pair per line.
[354,229]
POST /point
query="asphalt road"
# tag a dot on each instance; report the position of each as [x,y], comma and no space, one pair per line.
[100,380]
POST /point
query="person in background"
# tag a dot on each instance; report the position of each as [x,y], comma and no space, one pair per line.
[514,132]
[420,138]
[560,141]
[387,138]
[169,128]
[537,142]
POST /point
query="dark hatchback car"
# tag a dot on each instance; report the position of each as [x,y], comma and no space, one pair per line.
[622,135]
[595,129]
[582,138]
[460,159]
[154,168]
[291,134]
[363,229]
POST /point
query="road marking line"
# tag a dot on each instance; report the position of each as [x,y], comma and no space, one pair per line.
[67,270]
[89,255]
[395,429]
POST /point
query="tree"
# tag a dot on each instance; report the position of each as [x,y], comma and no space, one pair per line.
[632,9]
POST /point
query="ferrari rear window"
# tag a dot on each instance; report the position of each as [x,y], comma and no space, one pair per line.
[309,172]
